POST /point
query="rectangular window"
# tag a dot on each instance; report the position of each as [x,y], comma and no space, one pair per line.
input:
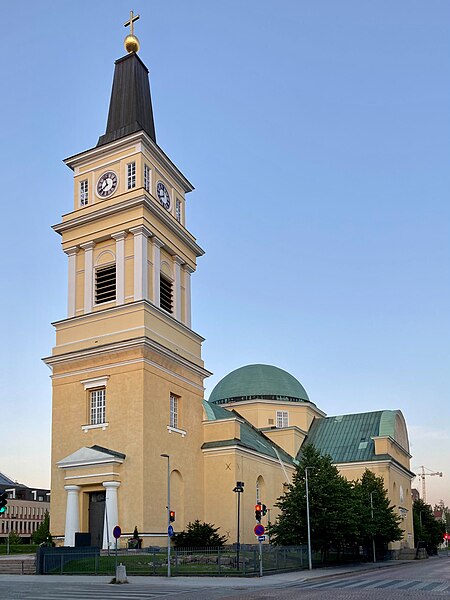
[105,284]
[173,411]
[84,192]
[147,178]
[178,210]
[131,175]
[97,406]
[282,418]
[165,294]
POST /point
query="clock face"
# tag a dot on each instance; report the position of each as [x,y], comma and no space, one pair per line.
[107,184]
[163,195]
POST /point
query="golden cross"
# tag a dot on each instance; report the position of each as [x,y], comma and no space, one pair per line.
[131,22]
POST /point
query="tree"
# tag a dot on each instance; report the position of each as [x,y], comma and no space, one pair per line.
[42,533]
[426,528]
[371,497]
[332,517]
[199,535]
[14,539]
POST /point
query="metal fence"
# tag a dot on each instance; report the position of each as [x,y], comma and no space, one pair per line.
[185,561]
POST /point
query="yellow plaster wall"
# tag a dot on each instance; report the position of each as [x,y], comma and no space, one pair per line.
[288,438]
[124,409]
[263,413]
[385,445]
[223,468]
[215,431]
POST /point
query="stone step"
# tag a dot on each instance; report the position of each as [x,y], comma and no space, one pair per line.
[17,566]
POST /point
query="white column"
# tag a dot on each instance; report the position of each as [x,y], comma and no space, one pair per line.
[177,262]
[72,268]
[88,276]
[111,512]
[72,514]
[120,266]
[187,294]
[141,235]
[157,245]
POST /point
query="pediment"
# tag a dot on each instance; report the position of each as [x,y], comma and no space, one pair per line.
[90,456]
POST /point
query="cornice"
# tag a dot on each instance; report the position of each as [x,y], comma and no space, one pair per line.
[97,152]
[141,200]
[105,312]
[394,442]
[242,449]
[384,461]
[69,357]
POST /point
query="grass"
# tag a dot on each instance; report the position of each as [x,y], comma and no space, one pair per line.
[19,549]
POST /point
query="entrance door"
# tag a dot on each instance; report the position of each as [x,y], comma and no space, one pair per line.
[97,502]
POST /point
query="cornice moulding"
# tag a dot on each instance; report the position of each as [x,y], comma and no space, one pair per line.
[154,150]
[141,200]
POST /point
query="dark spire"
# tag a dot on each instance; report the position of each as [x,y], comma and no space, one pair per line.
[130,107]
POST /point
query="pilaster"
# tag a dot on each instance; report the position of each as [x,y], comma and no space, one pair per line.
[72,268]
[120,266]
[88,275]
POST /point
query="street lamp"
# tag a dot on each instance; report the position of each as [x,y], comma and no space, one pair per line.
[168,512]
[238,490]
[307,518]
[373,534]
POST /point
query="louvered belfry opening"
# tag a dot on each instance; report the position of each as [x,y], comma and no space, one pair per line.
[165,294]
[105,284]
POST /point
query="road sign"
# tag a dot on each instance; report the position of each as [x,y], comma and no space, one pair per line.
[117,532]
[170,531]
[259,529]
[261,538]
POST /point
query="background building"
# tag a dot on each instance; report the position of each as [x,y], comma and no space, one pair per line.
[26,508]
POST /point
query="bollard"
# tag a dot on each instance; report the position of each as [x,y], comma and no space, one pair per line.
[121,574]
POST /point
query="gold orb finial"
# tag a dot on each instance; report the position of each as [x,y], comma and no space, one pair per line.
[131,42]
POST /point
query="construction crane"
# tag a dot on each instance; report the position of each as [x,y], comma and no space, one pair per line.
[422,475]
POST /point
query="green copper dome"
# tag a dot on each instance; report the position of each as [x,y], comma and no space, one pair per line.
[258,381]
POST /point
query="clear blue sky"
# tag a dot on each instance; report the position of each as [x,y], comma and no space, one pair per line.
[317,135]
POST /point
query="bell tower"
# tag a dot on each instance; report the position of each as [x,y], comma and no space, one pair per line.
[127,372]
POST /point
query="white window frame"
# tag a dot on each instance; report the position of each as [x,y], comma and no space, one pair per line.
[84,192]
[97,406]
[173,411]
[282,419]
[174,415]
[178,210]
[131,175]
[95,383]
[147,178]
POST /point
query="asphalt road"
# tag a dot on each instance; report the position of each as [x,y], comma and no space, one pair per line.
[416,579]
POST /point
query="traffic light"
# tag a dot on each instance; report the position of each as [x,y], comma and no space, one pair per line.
[264,510]
[172,516]
[258,510]
[3,502]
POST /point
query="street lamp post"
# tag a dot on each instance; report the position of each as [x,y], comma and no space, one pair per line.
[307,519]
[373,534]
[168,512]
[238,490]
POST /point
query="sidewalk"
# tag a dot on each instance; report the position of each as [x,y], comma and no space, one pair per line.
[277,580]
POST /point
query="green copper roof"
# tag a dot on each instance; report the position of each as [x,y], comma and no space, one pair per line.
[251,438]
[258,381]
[348,438]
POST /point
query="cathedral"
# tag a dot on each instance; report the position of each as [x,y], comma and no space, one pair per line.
[129,418]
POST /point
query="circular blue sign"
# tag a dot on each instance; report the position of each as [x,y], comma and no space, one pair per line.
[117,532]
[259,529]
[170,531]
